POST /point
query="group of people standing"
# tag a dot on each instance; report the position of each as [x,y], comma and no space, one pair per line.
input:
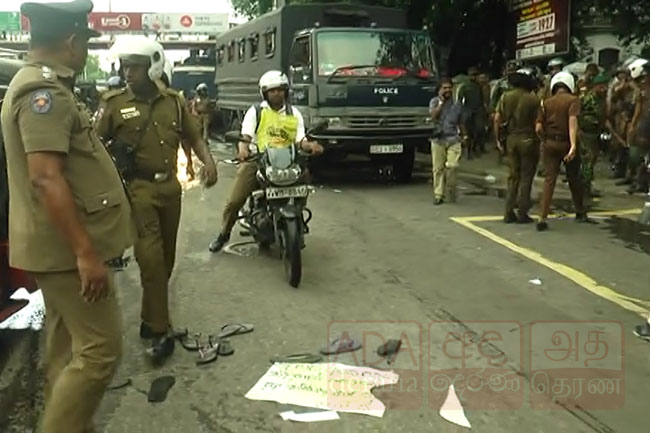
[559,119]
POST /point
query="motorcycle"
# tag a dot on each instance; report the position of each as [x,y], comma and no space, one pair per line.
[277,213]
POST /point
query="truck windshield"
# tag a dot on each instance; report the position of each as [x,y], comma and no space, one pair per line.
[374,53]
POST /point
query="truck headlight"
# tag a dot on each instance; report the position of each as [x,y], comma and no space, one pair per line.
[334,121]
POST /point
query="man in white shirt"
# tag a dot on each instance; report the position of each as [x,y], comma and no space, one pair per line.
[274,87]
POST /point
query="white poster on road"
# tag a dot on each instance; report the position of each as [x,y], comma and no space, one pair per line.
[185,23]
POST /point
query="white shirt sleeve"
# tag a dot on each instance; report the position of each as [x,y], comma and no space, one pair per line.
[300,133]
[249,124]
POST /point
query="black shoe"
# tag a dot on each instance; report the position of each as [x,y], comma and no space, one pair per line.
[510,218]
[161,349]
[438,201]
[524,219]
[145,331]
[542,226]
[622,182]
[583,218]
[642,331]
[219,243]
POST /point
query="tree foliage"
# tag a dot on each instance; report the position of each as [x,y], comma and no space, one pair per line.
[480,32]
[93,70]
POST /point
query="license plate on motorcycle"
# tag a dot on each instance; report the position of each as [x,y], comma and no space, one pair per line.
[386,148]
[288,192]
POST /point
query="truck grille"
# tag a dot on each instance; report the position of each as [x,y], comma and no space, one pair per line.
[394,121]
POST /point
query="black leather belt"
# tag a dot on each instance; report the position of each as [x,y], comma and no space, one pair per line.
[153,176]
[561,138]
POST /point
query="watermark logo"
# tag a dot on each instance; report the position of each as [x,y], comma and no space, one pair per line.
[400,386]
[576,364]
[481,359]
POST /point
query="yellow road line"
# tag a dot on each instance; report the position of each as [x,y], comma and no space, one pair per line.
[499,217]
[580,278]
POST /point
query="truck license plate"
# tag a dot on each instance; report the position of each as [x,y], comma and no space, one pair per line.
[386,148]
[288,192]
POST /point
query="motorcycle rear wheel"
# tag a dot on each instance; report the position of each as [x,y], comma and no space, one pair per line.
[291,252]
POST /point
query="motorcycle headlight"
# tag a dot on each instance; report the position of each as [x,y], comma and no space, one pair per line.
[283,176]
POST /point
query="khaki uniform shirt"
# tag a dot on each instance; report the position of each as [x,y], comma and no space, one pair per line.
[41,114]
[165,122]
[520,109]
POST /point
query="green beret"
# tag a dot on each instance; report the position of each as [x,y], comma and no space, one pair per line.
[601,79]
[49,21]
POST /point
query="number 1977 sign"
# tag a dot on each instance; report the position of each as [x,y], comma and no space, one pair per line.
[542,27]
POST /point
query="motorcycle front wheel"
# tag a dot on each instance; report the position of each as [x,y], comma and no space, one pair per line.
[291,251]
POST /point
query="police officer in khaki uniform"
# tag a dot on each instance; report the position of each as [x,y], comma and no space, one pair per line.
[558,125]
[518,111]
[153,121]
[69,214]
[202,109]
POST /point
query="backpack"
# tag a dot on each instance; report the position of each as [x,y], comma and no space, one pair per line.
[258,113]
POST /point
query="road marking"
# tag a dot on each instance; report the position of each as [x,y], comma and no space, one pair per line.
[631,304]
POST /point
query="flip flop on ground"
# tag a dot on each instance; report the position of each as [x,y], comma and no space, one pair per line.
[341,345]
[211,352]
[230,329]
[308,358]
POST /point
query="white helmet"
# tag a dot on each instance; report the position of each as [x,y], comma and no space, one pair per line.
[273,80]
[637,68]
[144,50]
[168,71]
[566,78]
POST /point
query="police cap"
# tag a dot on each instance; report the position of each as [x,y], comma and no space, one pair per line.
[49,21]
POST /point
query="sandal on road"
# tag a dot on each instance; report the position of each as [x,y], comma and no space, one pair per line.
[341,345]
[230,329]
[191,344]
[307,358]
[211,352]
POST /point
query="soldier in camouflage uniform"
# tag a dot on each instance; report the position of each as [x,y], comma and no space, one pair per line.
[592,124]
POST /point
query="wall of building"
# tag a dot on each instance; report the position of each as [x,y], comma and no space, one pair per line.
[606,49]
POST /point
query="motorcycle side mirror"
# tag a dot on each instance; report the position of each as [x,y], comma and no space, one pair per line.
[232,137]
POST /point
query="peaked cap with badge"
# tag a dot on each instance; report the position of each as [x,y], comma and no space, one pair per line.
[49,21]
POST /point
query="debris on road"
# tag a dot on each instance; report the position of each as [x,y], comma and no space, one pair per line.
[452,410]
[31,315]
[330,386]
[536,282]
[341,344]
[338,191]
[389,349]
[327,415]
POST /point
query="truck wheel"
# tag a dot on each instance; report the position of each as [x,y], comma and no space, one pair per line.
[403,166]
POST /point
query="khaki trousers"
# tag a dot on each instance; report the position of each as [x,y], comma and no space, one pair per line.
[157,210]
[245,183]
[445,157]
[523,156]
[83,345]
[554,152]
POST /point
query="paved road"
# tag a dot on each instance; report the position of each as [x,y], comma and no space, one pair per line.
[382,261]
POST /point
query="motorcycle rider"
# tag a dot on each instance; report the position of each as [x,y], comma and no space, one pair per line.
[274,88]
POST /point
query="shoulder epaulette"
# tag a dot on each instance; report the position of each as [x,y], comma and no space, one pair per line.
[112,93]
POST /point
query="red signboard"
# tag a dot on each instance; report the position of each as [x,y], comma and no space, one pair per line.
[542,27]
[115,22]
[105,22]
